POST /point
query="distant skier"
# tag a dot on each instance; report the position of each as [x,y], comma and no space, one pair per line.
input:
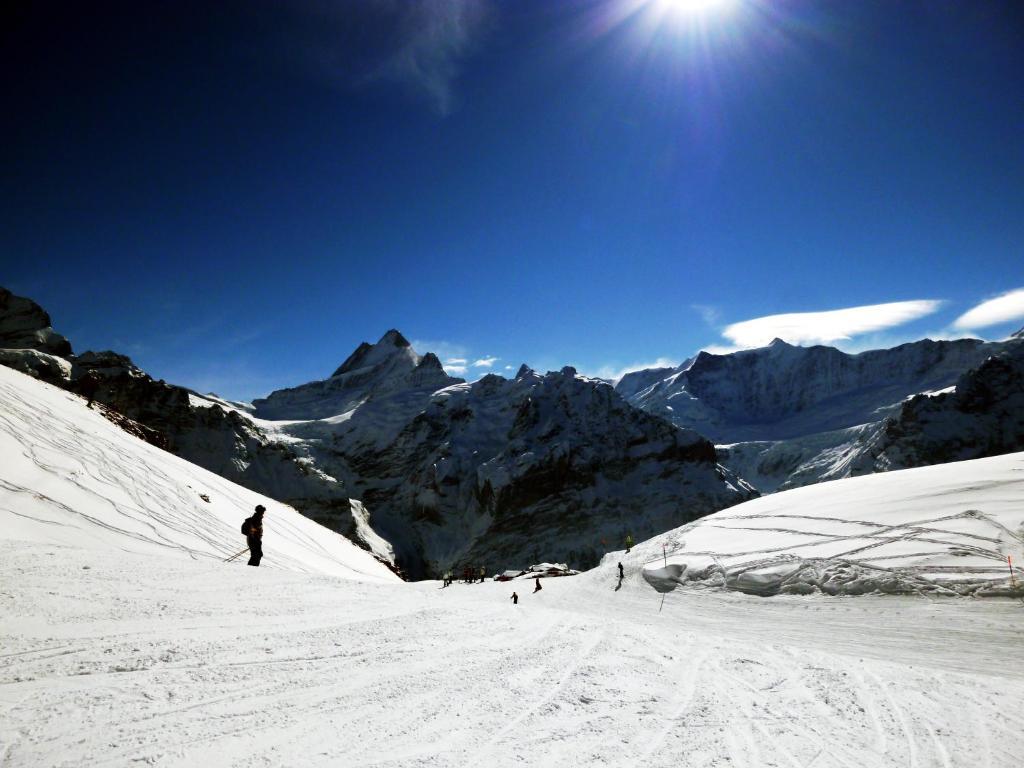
[253,530]
[483,574]
[537,588]
[88,386]
[515,599]
[629,542]
[621,572]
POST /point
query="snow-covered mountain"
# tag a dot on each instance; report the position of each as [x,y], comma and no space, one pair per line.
[126,640]
[785,416]
[513,471]
[783,391]
[373,371]
[982,416]
[71,477]
[422,468]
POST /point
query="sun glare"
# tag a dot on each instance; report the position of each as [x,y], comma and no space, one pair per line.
[695,7]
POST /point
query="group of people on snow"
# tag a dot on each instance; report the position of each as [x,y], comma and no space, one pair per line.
[469,575]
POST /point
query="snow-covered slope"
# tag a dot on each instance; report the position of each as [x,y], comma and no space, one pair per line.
[127,642]
[69,476]
[112,658]
[946,528]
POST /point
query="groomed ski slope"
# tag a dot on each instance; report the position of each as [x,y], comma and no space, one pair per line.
[944,529]
[125,650]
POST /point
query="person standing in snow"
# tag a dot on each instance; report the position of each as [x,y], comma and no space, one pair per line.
[87,387]
[629,542]
[515,599]
[621,572]
[483,574]
[253,530]
[538,587]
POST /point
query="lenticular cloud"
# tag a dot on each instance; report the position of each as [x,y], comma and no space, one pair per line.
[827,327]
[1002,309]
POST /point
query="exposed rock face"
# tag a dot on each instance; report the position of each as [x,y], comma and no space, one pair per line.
[982,417]
[28,343]
[220,440]
[372,371]
[510,472]
[39,365]
[790,416]
[781,391]
[25,325]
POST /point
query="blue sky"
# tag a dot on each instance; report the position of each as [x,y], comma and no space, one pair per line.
[237,194]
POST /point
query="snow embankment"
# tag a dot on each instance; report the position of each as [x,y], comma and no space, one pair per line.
[945,529]
[69,476]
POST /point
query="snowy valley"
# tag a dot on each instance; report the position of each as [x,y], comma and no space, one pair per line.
[127,641]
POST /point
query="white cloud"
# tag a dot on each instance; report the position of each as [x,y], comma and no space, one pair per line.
[455,370]
[826,327]
[614,373]
[445,350]
[435,38]
[1002,309]
[709,314]
[485,362]
[508,367]
[456,361]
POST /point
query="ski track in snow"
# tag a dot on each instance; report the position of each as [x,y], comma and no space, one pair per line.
[166,660]
[124,641]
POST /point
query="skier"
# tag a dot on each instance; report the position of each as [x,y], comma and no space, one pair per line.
[87,386]
[253,530]
[538,587]
[515,599]
[629,542]
[483,574]
[621,572]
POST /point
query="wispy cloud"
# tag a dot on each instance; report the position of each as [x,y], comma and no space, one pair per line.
[435,36]
[709,314]
[1004,308]
[485,362]
[456,361]
[825,327]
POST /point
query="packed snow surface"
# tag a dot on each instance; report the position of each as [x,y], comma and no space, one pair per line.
[70,476]
[948,527]
[126,641]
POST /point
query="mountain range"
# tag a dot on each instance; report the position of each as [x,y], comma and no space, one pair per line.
[429,472]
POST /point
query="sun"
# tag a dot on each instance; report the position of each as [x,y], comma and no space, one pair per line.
[695,7]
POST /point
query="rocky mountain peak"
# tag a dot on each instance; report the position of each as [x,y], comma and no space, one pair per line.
[26,325]
[366,354]
[524,370]
[395,339]
[430,361]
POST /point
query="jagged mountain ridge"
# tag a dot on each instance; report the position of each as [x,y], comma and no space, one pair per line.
[525,469]
[501,471]
[372,370]
[787,416]
[783,391]
[982,416]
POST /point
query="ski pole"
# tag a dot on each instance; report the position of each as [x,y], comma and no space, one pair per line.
[237,555]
